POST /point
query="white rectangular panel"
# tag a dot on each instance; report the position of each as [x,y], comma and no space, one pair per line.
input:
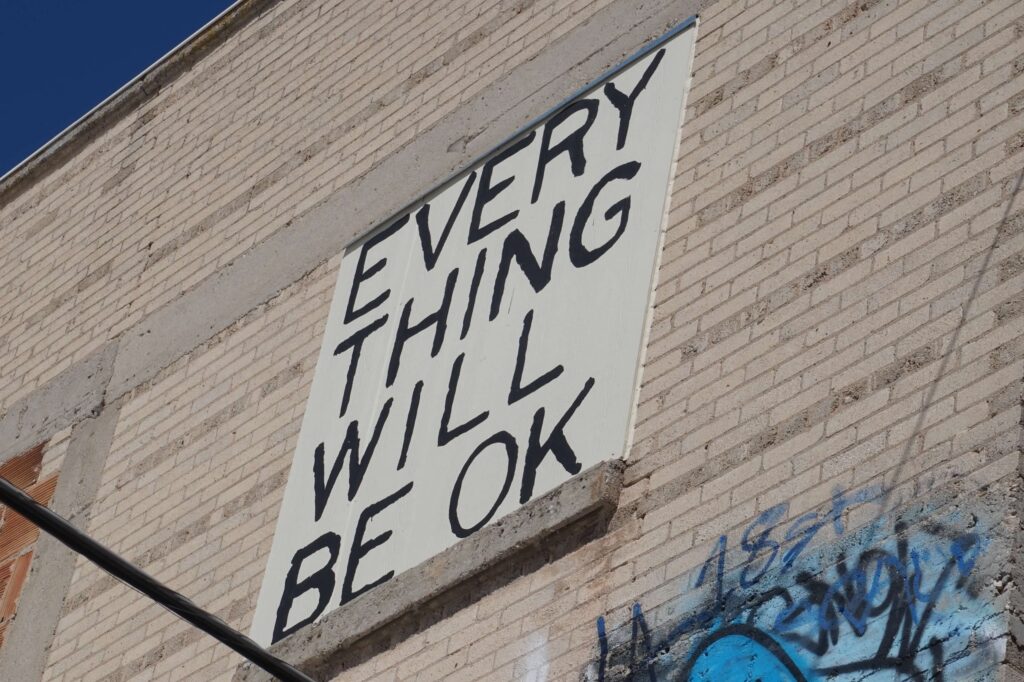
[482,348]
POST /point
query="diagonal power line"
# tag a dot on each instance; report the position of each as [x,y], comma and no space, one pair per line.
[138,579]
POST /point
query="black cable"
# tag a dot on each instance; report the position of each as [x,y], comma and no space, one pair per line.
[124,571]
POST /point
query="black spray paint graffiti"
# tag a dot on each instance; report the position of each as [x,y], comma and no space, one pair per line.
[902,605]
[583,240]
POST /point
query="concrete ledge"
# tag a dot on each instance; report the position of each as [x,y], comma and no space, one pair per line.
[76,393]
[538,532]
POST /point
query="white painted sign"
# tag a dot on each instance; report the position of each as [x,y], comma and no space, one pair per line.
[482,348]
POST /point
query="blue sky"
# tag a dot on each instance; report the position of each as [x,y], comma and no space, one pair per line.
[60,58]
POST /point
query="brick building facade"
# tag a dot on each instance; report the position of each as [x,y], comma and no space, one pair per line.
[824,478]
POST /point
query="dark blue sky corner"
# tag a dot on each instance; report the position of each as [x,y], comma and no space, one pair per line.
[63,57]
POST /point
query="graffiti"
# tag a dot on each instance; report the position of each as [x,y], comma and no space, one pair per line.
[905,605]
[717,656]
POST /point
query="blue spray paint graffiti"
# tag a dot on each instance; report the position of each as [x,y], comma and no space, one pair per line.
[731,653]
[901,605]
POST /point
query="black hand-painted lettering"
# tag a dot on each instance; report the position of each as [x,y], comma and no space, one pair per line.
[445,434]
[360,548]
[581,255]
[517,247]
[363,273]
[410,422]
[355,344]
[437,319]
[321,580]
[432,253]
[624,103]
[485,192]
[474,287]
[556,443]
[517,391]
[512,453]
[357,465]
[572,144]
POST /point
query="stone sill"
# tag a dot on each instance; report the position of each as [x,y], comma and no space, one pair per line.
[535,534]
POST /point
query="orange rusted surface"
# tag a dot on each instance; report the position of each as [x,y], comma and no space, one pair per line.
[18,535]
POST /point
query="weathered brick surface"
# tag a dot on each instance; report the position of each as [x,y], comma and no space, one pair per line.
[838,308]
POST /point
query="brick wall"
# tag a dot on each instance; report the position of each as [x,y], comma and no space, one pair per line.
[831,388]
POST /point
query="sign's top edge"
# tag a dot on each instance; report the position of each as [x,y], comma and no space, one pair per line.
[608,74]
